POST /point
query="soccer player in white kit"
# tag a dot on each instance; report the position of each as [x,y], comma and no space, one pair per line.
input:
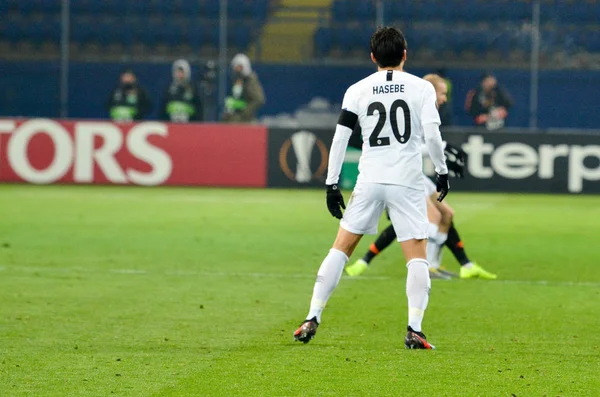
[441,226]
[396,112]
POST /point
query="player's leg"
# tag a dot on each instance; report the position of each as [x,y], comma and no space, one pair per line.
[456,246]
[418,285]
[330,271]
[385,238]
[468,269]
[436,232]
[433,247]
[328,277]
[436,243]
[408,212]
[447,215]
[361,217]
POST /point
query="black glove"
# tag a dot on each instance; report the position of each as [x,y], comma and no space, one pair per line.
[455,160]
[335,200]
[442,185]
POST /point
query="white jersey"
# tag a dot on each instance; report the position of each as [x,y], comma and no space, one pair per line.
[396,112]
[392,107]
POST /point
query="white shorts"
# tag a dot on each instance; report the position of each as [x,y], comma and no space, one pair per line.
[407,208]
[430,187]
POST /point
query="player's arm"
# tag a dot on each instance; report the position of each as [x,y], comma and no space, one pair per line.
[435,146]
[430,120]
[343,130]
[425,149]
[356,141]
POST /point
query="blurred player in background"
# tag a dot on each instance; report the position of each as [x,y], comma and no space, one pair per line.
[129,101]
[445,109]
[396,112]
[247,95]
[181,102]
[441,227]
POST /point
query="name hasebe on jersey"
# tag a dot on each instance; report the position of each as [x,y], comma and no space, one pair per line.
[391,109]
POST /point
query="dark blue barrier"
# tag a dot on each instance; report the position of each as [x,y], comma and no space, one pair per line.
[567,99]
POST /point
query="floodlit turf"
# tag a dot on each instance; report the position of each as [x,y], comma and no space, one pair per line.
[196,292]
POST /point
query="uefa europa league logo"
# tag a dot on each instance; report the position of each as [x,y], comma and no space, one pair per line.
[303,144]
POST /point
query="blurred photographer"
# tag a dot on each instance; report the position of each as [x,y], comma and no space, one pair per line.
[247,95]
[181,101]
[129,101]
[489,103]
[208,91]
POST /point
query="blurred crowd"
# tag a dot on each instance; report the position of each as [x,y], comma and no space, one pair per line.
[488,104]
[182,101]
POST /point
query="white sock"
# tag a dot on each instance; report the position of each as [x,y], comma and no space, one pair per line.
[468,265]
[438,259]
[433,251]
[435,256]
[441,238]
[432,230]
[418,285]
[328,278]
[432,233]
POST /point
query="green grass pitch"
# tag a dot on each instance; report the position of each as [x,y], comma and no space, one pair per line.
[196,292]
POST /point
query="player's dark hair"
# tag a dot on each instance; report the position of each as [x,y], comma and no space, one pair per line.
[388,45]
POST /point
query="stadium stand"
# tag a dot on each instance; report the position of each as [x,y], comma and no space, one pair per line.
[464,30]
[297,30]
[117,28]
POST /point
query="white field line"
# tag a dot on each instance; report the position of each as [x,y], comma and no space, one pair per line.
[186,273]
